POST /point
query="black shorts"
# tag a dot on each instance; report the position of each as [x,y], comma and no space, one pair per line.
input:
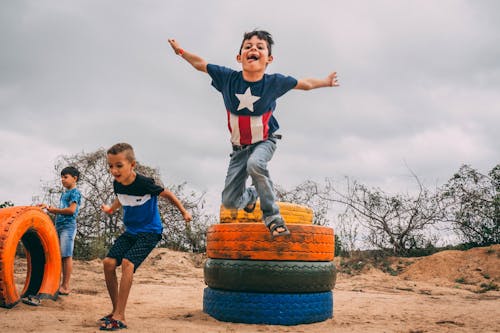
[134,248]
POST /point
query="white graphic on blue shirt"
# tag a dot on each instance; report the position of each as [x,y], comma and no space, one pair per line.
[140,205]
[247,100]
[233,87]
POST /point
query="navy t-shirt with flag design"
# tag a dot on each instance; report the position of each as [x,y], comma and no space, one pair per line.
[249,105]
[140,205]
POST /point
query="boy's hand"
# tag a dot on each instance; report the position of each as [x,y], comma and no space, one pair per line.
[187,216]
[107,209]
[332,79]
[43,207]
[175,46]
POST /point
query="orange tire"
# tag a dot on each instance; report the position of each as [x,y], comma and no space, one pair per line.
[252,241]
[37,232]
[291,213]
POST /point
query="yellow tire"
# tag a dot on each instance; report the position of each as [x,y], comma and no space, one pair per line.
[291,213]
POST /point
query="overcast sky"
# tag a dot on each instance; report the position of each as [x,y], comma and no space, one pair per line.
[420,88]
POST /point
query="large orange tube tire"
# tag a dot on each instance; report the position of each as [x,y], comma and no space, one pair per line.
[252,241]
[291,213]
[37,232]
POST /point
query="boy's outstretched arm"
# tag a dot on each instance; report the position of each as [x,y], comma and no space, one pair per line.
[311,83]
[196,61]
[173,199]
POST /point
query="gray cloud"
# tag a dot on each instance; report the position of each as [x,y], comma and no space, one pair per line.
[419,88]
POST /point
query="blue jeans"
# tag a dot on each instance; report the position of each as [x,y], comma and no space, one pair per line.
[251,161]
[66,235]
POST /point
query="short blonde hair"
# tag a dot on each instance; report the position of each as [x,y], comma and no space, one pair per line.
[123,147]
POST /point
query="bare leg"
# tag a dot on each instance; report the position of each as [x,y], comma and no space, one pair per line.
[67,269]
[111,280]
[124,291]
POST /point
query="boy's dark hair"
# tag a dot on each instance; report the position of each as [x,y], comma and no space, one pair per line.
[71,170]
[123,147]
[261,34]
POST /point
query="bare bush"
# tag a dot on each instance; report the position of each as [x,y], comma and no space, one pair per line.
[310,194]
[390,222]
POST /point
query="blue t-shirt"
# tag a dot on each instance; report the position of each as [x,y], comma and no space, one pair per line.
[140,205]
[249,105]
[67,198]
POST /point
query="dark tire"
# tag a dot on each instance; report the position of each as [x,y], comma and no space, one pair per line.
[270,276]
[268,308]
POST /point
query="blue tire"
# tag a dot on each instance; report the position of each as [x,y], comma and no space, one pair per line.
[268,308]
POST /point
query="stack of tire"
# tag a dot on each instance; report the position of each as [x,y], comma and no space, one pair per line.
[253,278]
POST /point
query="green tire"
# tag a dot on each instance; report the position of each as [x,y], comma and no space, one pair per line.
[270,276]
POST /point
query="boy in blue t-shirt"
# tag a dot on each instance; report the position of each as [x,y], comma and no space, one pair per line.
[66,222]
[138,195]
[250,101]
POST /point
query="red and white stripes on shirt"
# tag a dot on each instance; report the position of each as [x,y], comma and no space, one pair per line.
[246,130]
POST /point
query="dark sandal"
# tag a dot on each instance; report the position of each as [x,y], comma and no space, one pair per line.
[112,325]
[250,208]
[32,300]
[275,224]
[106,318]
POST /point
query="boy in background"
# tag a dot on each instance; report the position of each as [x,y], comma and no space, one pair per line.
[66,223]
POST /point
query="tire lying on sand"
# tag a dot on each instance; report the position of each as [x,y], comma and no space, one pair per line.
[252,241]
[270,276]
[268,308]
[35,230]
[291,213]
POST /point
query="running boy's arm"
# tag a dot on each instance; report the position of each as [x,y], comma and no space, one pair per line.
[113,208]
[173,199]
[311,83]
[195,61]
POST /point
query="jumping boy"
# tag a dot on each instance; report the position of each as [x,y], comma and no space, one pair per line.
[66,222]
[138,195]
[250,100]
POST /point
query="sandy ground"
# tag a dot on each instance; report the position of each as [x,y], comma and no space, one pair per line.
[439,293]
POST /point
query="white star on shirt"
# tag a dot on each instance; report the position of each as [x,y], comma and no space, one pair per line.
[247,100]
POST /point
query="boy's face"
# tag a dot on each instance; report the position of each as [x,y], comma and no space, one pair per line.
[254,55]
[68,181]
[121,168]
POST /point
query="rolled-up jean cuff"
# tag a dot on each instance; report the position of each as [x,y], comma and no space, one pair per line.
[269,219]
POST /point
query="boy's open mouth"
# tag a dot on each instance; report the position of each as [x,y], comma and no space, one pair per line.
[253,57]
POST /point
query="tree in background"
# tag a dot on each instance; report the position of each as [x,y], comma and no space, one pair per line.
[391,222]
[310,194]
[474,205]
[397,223]
[96,230]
